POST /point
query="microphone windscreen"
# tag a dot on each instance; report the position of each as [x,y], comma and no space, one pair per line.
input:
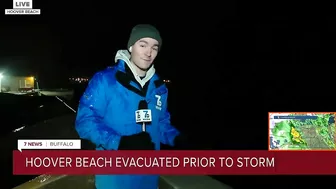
[143,105]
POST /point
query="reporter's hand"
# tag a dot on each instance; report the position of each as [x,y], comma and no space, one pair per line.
[140,141]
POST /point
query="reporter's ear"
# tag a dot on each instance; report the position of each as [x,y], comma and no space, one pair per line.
[130,49]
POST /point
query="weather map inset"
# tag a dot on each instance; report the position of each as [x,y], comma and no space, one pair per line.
[302,131]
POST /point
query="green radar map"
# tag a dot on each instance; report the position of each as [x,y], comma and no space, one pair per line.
[302,131]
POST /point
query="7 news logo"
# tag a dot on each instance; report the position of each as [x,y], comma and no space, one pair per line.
[145,113]
[22,7]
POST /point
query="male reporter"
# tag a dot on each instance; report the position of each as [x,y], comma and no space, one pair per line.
[107,111]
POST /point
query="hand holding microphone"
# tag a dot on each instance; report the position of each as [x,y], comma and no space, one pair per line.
[142,140]
[139,141]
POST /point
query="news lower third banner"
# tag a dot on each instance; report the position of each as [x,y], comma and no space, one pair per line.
[81,162]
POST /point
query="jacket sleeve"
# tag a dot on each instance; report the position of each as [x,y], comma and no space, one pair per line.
[168,132]
[89,121]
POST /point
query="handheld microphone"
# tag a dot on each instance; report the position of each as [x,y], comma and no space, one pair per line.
[143,114]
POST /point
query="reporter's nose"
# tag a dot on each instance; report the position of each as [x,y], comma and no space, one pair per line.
[148,53]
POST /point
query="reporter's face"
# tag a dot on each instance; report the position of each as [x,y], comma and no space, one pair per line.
[144,52]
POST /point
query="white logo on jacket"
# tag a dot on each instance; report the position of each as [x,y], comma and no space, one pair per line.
[158,102]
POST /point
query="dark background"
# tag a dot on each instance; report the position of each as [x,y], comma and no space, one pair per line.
[230,63]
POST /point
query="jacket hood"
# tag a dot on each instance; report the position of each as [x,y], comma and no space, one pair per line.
[125,56]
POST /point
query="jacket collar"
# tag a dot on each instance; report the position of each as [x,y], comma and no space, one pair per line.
[124,56]
[127,76]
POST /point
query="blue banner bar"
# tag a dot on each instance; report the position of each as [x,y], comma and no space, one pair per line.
[295,117]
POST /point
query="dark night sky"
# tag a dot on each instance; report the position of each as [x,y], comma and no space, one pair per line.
[82,39]
[227,41]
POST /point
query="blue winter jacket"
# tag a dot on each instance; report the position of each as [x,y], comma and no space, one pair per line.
[107,111]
